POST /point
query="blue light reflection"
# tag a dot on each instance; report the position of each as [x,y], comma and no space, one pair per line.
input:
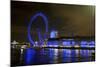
[29,56]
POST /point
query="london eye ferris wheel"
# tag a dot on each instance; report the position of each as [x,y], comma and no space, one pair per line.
[38,31]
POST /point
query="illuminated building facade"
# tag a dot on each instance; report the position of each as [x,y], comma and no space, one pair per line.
[54,34]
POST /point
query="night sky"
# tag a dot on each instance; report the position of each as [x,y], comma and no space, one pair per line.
[78,20]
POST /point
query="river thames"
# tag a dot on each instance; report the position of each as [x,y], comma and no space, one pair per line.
[30,56]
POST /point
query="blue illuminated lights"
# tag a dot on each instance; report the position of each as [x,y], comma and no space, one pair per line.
[30,24]
[68,42]
[29,56]
[53,53]
[53,43]
[91,43]
[53,34]
[83,43]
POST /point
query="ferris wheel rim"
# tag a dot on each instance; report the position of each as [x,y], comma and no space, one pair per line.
[43,16]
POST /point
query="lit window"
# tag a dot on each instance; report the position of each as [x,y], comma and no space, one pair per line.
[83,43]
[92,43]
[66,43]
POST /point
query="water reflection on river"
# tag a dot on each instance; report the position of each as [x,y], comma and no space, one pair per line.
[50,56]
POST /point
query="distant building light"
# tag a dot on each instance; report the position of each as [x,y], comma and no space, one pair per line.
[84,43]
[68,42]
[36,42]
[91,44]
[14,42]
[23,46]
[54,34]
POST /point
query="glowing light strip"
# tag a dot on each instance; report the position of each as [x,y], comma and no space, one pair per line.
[31,21]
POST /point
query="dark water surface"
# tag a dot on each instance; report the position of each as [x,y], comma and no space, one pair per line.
[32,56]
